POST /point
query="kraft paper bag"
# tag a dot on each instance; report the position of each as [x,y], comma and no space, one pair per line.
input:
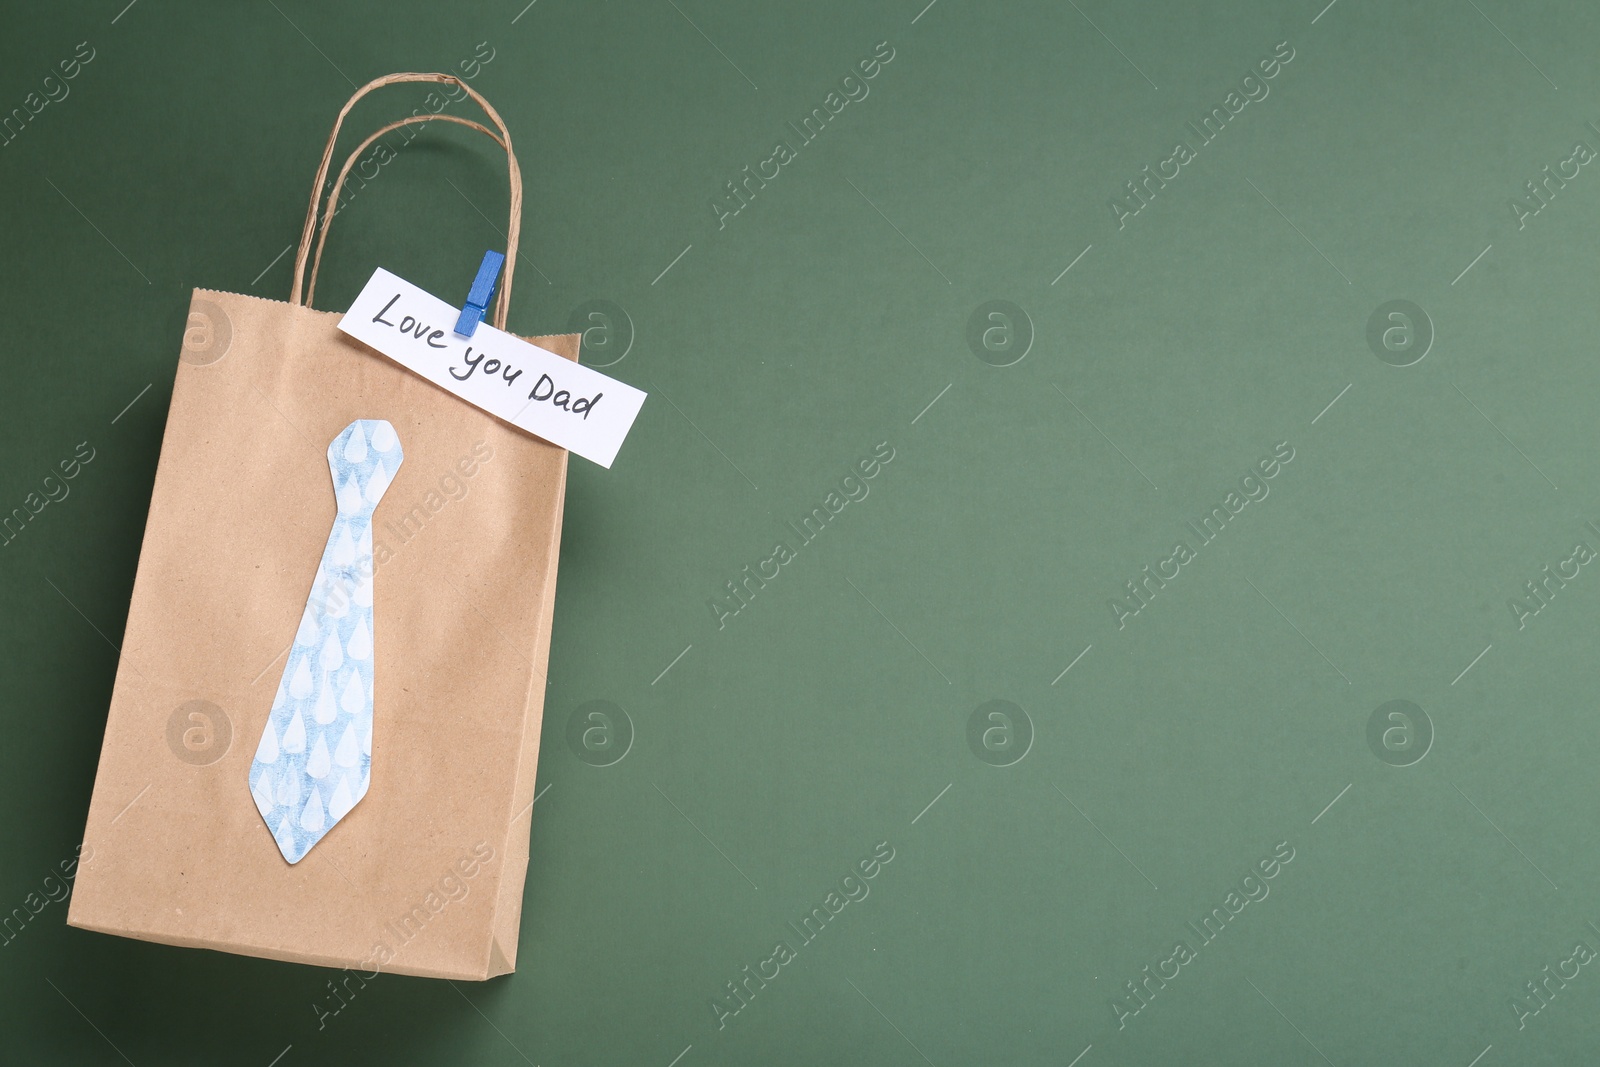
[425,875]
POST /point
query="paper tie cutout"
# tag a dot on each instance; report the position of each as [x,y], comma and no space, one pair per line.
[314,760]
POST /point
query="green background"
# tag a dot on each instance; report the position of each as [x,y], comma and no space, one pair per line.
[823,319]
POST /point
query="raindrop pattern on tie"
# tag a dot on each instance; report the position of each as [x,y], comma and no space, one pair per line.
[314,760]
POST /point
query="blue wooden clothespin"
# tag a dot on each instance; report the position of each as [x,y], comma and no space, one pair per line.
[482,288]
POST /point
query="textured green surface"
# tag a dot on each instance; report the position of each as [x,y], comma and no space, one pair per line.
[779,750]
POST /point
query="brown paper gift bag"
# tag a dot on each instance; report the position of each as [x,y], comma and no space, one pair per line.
[425,875]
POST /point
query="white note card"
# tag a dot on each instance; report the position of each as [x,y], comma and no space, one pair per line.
[563,402]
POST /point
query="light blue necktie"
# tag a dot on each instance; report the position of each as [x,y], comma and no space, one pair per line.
[314,760]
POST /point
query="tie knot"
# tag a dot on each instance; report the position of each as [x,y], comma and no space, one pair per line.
[363,460]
